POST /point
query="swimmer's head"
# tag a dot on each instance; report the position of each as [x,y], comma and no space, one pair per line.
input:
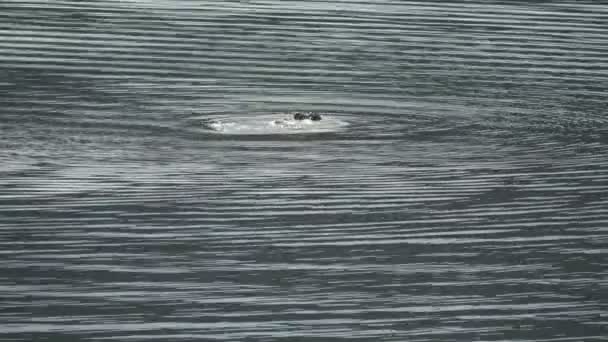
[309,116]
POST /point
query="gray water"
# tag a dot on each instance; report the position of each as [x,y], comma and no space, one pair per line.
[465,201]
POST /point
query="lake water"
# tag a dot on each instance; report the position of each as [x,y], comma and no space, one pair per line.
[455,190]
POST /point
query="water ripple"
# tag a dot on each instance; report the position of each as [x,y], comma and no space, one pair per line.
[459,193]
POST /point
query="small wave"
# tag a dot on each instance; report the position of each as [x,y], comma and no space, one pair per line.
[272,124]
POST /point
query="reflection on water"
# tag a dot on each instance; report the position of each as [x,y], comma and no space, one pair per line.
[454,190]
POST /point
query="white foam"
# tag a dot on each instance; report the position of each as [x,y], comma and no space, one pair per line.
[273,124]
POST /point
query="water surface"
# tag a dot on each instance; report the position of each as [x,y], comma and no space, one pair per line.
[464,201]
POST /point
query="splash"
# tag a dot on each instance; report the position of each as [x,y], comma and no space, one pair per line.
[273,124]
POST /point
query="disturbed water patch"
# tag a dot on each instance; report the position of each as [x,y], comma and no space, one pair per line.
[270,124]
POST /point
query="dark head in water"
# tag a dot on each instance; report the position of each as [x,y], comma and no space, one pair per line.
[310,116]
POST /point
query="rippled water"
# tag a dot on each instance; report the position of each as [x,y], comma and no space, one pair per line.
[463,199]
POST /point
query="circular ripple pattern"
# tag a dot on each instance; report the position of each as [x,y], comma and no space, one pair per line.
[464,201]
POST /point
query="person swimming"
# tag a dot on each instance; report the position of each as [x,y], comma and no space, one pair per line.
[310,116]
[298,116]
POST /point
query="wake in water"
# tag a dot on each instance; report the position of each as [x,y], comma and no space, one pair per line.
[297,123]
